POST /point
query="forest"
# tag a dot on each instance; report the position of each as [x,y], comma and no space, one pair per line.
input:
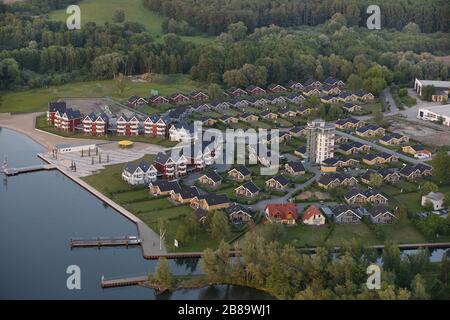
[213,16]
[37,52]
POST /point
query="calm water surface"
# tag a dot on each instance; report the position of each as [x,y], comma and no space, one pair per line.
[40,212]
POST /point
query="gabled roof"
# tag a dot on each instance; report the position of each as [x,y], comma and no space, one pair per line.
[311,212]
[281,180]
[375,211]
[423,167]
[188,193]
[242,170]
[266,113]
[282,210]
[301,150]
[296,166]
[73,114]
[368,127]
[162,158]
[297,129]
[57,106]
[166,186]
[235,208]
[250,186]
[408,170]
[214,199]
[214,176]
[343,208]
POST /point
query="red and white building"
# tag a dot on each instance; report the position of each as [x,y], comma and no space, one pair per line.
[170,168]
[157,126]
[128,126]
[95,125]
[136,101]
[177,98]
[67,120]
[53,108]
[198,96]
[276,88]
[157,100]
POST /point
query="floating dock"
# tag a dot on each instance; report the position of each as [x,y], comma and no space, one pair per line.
[105,242]
[123,282]
[17,171]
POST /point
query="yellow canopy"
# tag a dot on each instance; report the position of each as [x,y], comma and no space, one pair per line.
[125,143]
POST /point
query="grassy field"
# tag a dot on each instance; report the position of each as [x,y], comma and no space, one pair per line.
[101,11]
[37,99]
[344,233]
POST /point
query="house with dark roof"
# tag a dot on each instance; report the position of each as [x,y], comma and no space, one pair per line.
[156,99]
[285,113]
[240,173]
[294,85]
[379,159]
[298,131]
[157,126]
[380,214]
[393,139]
[184,195]
[425,170]
[277,183]
[300,152]
[247,190]
[331,81]
[343,214]
[349,124]
[310,91]
[139,173]
[276,88]
[409,172]
[335,180]
[169,167]
[255,90]
[248,117]
[163,187]
[228,119]
[236,92]
[69,120]
[220,105]
[295,98]
[211,179]
[370,130]
[416,150]
[268,115]
[53,108]
[363,197]
[136,101]
[294,168]
[364,95]
[351,107]
[340,139]
[331,90]
[198,95]
[345,96]
[177,98]
[329,99]
[210,202]
[239,214]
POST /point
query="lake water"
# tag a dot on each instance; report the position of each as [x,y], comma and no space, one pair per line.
[40,212]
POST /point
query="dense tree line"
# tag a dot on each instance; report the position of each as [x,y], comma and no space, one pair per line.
[213,16]
[290,274]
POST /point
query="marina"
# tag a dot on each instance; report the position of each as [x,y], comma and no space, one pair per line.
[105,242]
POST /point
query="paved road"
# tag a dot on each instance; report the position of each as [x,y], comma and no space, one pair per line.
[380,148]
[261,205]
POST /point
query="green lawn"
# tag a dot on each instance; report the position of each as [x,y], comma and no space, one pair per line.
[306,236]
[37,99]
[101,11]
[344,233]
[402,232]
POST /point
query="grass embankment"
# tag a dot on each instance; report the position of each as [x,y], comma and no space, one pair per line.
[41,124]
[101,11]
[149,208]
[37,99]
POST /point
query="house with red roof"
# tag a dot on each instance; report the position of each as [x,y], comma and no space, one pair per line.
[313,217]
[281,213]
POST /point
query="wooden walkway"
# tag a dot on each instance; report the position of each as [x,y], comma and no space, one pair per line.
[17,171]
[105,242]
[123,282]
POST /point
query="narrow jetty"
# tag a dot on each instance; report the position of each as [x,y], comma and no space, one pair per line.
[123,282]
[17,171]
[105,242]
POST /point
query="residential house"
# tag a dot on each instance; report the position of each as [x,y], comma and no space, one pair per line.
[387,175]
[334,82]
[336,180]
[330,90]
[379,159]
[300,152]
[425,170]
[255,90]
[268,115]
[208,121]
[136,101]
[210,202]
[358,197]
[329,99]
[179,113]
[339,162]
[298,131]
[240,173]
[349,124]
[281,138]
[380,214]
[418,151]
[276,100]
[313,217]
[393,139]
[281,213]
[156,99]
[128,126]
[182,132]
[239,214]
[184,195]
[249,117]
[157,126]
[343,214]
[200,107]
[340,139]
[198,96]
[211,179]
[220,105]
[294,168]
[295,98]
[287,113]
[410,173]
[364,96]
[311,91]
[228,119]
[353,147]
[177,98]
[53,108]
[236,92]
[347,97]
[68,120]
[277,183]
[313,83]
[170,168]
[294,85]
[276,88]
[435,198]
[247,190]
[139,173]
[163,187]
[351,107]
[370,130]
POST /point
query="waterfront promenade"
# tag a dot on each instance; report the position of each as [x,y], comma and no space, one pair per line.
[150,239]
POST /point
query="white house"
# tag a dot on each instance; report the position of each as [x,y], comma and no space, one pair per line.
[435,198]
[141,173]
[182,133]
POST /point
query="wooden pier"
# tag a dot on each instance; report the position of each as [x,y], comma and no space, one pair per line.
[17,171]
[105,242]
[123,282]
